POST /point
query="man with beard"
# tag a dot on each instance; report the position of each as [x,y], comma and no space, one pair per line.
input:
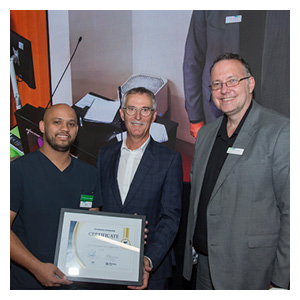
[43,182]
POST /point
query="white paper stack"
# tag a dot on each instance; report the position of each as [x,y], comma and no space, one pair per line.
[100,109]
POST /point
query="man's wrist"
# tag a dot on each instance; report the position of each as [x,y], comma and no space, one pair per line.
[150,261]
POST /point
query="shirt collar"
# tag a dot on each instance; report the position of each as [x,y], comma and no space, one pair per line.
[142,148]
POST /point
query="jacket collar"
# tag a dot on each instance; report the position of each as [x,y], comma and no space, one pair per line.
[242,141]
[142,170]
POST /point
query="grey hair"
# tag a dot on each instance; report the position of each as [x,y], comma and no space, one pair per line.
[139,90]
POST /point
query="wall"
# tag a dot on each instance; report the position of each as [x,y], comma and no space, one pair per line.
[158,49]
[104,58]
[59,44]
[117,44]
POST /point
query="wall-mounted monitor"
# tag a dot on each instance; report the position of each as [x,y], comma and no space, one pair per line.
[23,64]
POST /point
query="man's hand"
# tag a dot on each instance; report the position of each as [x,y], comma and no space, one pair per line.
[146,233]
[194,128]
[146,273]
[49,275]
[146,230]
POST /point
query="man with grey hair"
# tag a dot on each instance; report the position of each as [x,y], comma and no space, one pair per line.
[139,175]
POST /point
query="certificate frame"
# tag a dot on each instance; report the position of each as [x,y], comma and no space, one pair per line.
[100,247]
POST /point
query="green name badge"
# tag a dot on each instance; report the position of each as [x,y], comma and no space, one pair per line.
[86,201]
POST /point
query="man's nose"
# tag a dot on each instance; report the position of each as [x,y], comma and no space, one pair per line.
[138,114]
[224,88]
[65,126]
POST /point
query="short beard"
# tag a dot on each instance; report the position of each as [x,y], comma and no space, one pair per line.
[57,147]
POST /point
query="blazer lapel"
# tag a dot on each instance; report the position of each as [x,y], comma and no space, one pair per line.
[203,148]
[113,174]
[142,170]
[242,141]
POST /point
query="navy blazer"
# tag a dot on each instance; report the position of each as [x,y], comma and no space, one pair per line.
[155,191]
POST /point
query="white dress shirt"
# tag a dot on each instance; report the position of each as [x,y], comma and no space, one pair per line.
[129,162]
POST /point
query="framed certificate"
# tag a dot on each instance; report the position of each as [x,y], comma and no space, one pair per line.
[100,247]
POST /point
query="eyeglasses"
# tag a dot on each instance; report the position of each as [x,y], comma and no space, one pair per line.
[144,111]
[230,83]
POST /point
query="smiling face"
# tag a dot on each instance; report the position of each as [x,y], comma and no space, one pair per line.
[137,125]
[59,127]
[233,101]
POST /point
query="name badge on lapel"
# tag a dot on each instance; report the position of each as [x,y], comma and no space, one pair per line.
[235,151]
[233,19]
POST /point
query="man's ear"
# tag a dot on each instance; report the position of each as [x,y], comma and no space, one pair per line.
[251,84]
[42,126]
[121,111]
[154,116]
